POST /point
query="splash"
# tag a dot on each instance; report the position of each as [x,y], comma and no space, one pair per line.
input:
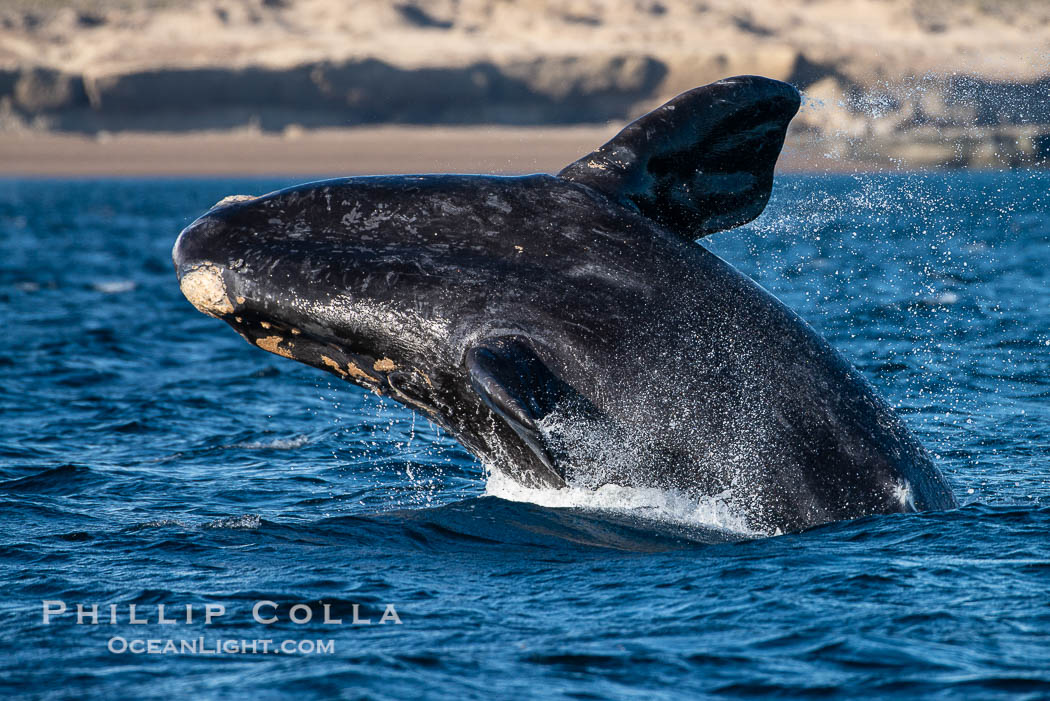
[247,522]
[649,503]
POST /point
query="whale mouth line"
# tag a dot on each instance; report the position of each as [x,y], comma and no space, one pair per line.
[379,374]
[323,352]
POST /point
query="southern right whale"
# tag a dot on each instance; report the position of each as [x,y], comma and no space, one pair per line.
[568,329]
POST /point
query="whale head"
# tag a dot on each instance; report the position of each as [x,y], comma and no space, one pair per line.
[317,290]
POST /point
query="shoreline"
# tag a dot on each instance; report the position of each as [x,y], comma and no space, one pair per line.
[359,151]
[331,152]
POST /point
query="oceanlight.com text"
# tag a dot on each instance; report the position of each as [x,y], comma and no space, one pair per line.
[202,646]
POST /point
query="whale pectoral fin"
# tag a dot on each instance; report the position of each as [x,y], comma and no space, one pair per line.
[517,386]
[701,163]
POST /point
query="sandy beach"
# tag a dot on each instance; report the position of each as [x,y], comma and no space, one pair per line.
[321,152]
[326,152]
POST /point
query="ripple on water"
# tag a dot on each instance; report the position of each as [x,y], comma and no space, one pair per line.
[149,456]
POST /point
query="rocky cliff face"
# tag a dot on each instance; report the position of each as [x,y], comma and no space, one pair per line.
[912,81]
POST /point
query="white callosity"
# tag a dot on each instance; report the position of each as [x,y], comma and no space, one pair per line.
[206,290]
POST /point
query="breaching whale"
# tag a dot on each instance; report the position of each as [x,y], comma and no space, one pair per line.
[568,329]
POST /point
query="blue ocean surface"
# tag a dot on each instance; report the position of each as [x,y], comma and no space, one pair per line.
[149,457]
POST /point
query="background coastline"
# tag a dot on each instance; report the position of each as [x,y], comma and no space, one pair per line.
[91,86]
[335,152]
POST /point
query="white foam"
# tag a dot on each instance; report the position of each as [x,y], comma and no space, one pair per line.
[114,287]
[669,506]
[903,492]
[247,522]
[277,444]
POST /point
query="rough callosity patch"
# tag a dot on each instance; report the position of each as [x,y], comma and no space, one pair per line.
[384,365]
[272,344]
[351,369]
[233,199]
[205,289]
[333,364]
[358,372]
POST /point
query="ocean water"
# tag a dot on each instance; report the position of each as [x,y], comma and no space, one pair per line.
[149,457]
